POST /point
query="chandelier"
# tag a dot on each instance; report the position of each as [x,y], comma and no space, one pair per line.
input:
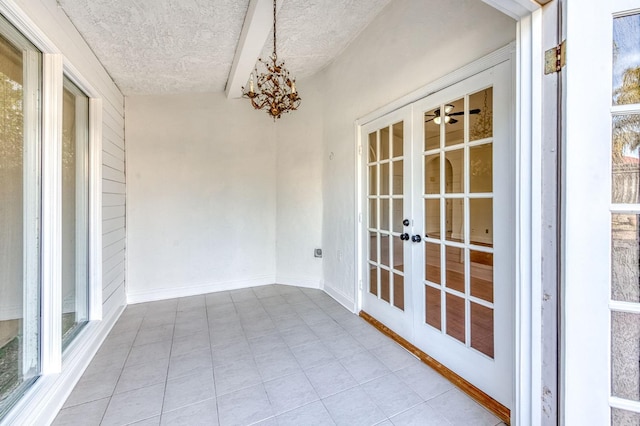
[276,91]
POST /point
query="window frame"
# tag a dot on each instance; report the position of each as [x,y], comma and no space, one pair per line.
[56,67]
[82,166]
[32,189]
[50,385]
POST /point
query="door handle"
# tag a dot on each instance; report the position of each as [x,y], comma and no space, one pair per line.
[404,237]
[416,238]
[406,222]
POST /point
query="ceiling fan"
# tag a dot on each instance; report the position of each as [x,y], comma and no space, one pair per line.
[448,115]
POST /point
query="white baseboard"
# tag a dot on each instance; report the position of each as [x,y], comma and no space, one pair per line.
[194,290]
[299,281]
[41,403]
[341,298]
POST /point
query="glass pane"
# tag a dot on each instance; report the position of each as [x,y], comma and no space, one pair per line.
[626,50]
[12,164]
[625,257]
[454,212]
[432,263]
[384,214]
[385,250]
[432,218]
[481,168]
[625,159]
[432,174]
[481,221]
[481,269]
[385,278]
[482,329]
[75,211]
[454,122]
[373,279]
[373,147]
[373,213]
[454,171]
[373,246]
[481,115]
[384,143]
[431,131]
[373,180]
[455,317]
[625,353]
[398,178]
[384,178]
[398,253]
[454,275]
[19,218]
[398,139]
[433,307]
[398,291]
[624,418]
[398,214]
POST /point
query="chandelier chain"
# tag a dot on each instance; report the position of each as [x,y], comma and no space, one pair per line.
[274,29]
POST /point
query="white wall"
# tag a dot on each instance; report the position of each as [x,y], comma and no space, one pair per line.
[201,195]
[411,43]
[299,190]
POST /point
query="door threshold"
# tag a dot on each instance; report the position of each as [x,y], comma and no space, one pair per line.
[502,412]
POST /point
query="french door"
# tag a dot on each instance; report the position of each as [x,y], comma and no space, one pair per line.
[439,220]
[389,180]
[601,306]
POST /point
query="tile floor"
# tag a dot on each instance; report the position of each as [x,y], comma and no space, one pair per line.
[272,355]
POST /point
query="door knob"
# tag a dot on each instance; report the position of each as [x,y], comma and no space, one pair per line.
[416,238]
[406,222]
[404,237]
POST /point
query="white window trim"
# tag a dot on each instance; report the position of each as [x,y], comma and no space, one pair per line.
[25,25]
[51,294]
[95,209]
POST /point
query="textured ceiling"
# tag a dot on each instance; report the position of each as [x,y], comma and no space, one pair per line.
[181,46]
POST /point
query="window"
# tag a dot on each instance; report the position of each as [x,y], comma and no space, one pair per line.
[625,221]
[75,211]
[48,212]
[20,81]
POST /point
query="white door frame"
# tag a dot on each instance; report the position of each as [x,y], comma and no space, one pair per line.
[526,55]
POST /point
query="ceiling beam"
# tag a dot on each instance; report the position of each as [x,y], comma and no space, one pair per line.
[257,24]
[517,9]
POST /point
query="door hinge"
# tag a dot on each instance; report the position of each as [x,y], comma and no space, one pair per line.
[555,58]
[359,284]
[359,149]
[359,217]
